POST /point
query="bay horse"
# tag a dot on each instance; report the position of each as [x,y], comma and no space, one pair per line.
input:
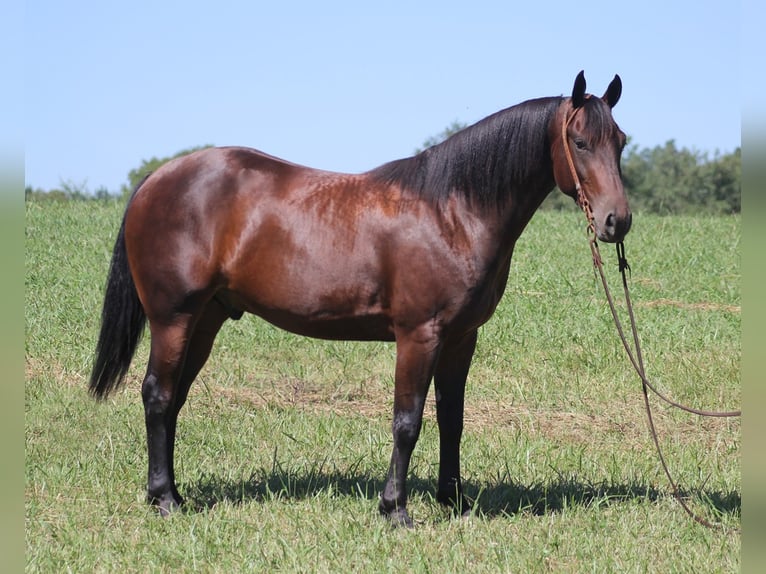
[416,251]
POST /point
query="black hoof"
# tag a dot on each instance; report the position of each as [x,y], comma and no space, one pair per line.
[395,514]
[459,506]
[399,518]
[166,504]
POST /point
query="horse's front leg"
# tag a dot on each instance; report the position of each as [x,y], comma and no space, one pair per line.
[416,354]
[449,381]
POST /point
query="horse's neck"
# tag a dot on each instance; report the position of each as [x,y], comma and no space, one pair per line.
[522,203]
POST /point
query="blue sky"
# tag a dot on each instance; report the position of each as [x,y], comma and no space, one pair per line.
[347,86]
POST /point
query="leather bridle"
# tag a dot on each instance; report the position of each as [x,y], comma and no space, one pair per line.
[580,198]
[636,358]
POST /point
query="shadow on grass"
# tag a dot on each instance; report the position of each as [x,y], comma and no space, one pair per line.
[494,500]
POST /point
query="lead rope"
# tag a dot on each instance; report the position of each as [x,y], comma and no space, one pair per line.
[637,359]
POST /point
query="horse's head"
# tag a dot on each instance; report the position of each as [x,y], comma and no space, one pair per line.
[586,148]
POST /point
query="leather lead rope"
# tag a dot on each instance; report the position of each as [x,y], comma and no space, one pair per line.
[635,359]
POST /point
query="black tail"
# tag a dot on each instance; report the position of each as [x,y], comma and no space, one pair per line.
[122,324]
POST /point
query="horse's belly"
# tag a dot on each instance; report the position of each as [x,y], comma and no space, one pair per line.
[302,311]
[363,328]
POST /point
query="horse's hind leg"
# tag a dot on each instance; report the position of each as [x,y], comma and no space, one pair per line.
[178,352]
[197,353]
[168,348]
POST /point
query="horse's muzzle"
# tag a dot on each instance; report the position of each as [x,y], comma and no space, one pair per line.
[615,227]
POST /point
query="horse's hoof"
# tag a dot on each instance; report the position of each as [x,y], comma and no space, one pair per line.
[399,518]
[166,505]
[459,509]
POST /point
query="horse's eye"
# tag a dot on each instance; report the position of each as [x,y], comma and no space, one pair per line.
[580,144]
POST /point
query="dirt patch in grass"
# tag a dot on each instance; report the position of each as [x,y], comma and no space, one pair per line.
[693,306]
[368,399]
[623,423]
[37,369]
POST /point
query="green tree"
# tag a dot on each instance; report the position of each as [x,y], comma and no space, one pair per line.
[135,176]
[39,194]
[73,190]
[722,179]
[67,190]
[447,132]
[668,180]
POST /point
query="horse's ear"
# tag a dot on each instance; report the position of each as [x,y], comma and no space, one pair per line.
[578,92]
[612,94]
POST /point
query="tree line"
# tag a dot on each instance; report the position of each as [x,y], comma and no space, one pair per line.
[667,180]
[664,180]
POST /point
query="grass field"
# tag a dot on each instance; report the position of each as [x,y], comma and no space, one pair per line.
[284,442]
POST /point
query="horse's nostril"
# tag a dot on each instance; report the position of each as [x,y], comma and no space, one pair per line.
[610,221]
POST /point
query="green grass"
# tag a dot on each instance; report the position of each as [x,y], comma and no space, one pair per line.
[284,442]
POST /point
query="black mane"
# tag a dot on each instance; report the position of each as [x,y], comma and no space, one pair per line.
[484,161]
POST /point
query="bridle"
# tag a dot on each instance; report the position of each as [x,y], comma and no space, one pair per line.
[635,359]
[580,198]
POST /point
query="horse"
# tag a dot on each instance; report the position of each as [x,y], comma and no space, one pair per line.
[416,251]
